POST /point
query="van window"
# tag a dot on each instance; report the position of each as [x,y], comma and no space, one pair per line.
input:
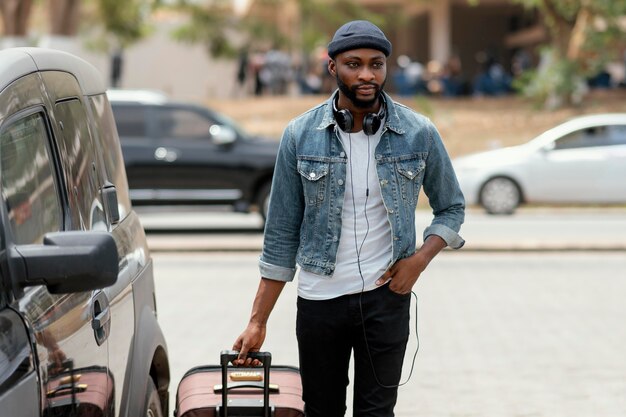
[29,189]
[78,159]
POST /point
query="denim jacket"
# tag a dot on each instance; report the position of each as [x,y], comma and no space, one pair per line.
[304,219]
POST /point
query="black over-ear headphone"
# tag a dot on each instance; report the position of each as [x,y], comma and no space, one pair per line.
[371,121]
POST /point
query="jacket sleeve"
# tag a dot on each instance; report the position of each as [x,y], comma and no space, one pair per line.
[444,194]
[284,218]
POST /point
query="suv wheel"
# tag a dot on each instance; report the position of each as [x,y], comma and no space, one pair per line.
[153,403]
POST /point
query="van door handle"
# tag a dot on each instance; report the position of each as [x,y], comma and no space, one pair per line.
[100,317]
[101,320]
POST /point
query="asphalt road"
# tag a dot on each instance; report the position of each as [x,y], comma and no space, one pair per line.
[533,229]
[501,334]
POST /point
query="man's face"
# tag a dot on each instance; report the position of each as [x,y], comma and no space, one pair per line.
[361,75]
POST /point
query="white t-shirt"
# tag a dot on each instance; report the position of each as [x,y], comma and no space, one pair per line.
[372,248]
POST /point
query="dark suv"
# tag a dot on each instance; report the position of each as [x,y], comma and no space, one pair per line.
[178,153]
[78,328]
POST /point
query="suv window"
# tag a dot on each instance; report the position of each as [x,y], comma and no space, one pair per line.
[130,119]
[182,123]
[77,150]
[29,188]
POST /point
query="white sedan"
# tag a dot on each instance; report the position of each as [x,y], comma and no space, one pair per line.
[582,161]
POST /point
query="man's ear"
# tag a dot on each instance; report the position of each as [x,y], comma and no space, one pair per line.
[332,67]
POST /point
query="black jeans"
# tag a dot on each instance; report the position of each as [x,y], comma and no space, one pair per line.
[327,333]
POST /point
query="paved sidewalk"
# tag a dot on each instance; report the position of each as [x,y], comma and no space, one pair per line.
[527,230]
[501,334]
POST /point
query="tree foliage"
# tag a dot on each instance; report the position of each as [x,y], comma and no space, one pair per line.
[124,20]
[584,35]
[212,24]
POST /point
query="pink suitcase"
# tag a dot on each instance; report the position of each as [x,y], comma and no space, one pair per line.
[270,391]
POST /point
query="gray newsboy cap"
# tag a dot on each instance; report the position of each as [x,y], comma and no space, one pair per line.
[358,34]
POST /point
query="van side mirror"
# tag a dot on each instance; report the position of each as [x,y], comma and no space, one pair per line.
[67,262]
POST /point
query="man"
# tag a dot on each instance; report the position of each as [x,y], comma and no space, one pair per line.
[342,207]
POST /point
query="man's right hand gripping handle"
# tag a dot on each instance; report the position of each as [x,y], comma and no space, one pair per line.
[250,340]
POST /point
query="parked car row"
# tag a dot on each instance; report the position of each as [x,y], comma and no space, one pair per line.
[582,161]
[177,153]
[78,329]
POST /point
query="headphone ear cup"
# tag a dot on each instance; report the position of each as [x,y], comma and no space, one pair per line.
[344,120]
[371,123]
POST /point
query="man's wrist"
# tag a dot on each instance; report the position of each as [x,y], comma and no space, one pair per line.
[258,322]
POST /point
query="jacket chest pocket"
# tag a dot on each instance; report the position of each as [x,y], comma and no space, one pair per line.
[410,176]
[314,175]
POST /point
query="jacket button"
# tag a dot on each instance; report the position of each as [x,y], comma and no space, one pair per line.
[340,182]
[390,211]
[312,175]
[335,238]
[342,154]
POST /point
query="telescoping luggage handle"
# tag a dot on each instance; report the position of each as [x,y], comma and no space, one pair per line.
[228,356]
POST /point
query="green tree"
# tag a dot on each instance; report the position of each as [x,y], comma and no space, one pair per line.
[584,35]
[213,24]
[116,24]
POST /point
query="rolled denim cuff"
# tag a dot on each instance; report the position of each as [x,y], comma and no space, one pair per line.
[275,272]
[452,238]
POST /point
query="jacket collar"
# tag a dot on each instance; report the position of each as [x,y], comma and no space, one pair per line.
[392,120]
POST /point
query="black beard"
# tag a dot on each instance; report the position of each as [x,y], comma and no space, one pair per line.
[350,93]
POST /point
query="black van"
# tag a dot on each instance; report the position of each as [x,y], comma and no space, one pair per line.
[78,328]
[186,154]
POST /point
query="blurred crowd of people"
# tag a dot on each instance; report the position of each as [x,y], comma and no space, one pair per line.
[450,79]
[270,72]
[276,72]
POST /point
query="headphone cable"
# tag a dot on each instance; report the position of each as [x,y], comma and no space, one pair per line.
[358,249]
